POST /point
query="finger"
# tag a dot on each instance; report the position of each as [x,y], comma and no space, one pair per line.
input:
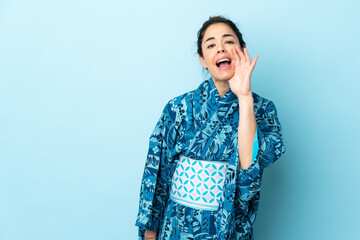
[247,56]
[253,63]
[236,56]
[241,54]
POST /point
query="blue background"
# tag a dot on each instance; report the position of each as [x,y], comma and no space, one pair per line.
[83,83]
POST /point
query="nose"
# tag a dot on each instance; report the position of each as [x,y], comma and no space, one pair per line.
[221,48]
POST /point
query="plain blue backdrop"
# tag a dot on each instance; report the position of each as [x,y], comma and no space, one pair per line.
[83,83]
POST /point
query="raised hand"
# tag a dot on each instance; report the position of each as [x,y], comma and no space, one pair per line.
[240,83]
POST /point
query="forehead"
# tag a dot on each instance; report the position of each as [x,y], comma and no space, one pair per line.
[217,30]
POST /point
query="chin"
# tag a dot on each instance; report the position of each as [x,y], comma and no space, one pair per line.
[224,76]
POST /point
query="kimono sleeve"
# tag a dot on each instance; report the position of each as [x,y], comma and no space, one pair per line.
[270,149]
[154,190]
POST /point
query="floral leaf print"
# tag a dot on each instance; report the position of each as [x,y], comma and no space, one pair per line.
[200,125]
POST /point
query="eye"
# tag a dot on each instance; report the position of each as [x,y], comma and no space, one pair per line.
[229,41]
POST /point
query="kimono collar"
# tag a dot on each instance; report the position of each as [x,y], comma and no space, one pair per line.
[214,94]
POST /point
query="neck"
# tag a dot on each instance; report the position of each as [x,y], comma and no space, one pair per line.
[222,86]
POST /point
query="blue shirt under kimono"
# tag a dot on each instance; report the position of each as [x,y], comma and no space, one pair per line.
[201,125]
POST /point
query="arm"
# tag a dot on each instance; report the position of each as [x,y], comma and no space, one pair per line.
[154,186]
[246,130]
[240,85]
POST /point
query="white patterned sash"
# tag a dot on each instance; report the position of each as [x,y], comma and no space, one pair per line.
[198,183]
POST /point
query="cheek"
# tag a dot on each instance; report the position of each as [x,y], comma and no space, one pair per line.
[208,53]
[232,51]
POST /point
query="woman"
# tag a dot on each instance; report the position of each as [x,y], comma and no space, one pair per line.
[208,150]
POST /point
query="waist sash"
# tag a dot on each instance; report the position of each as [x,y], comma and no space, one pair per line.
[198,183]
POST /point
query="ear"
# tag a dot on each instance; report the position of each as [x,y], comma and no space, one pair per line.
[202,61]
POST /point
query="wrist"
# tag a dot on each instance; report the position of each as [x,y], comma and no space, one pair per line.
[245,99]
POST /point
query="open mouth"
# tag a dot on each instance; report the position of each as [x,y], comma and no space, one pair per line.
[223,64]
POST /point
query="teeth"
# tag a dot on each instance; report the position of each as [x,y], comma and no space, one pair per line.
[222,60]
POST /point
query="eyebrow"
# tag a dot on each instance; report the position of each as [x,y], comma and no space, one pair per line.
[224,35]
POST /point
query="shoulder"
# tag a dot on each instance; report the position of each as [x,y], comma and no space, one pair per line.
[181,101]
[184,98]
[188,98]
[176,107]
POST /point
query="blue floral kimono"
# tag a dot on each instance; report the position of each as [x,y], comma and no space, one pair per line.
[201,125]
